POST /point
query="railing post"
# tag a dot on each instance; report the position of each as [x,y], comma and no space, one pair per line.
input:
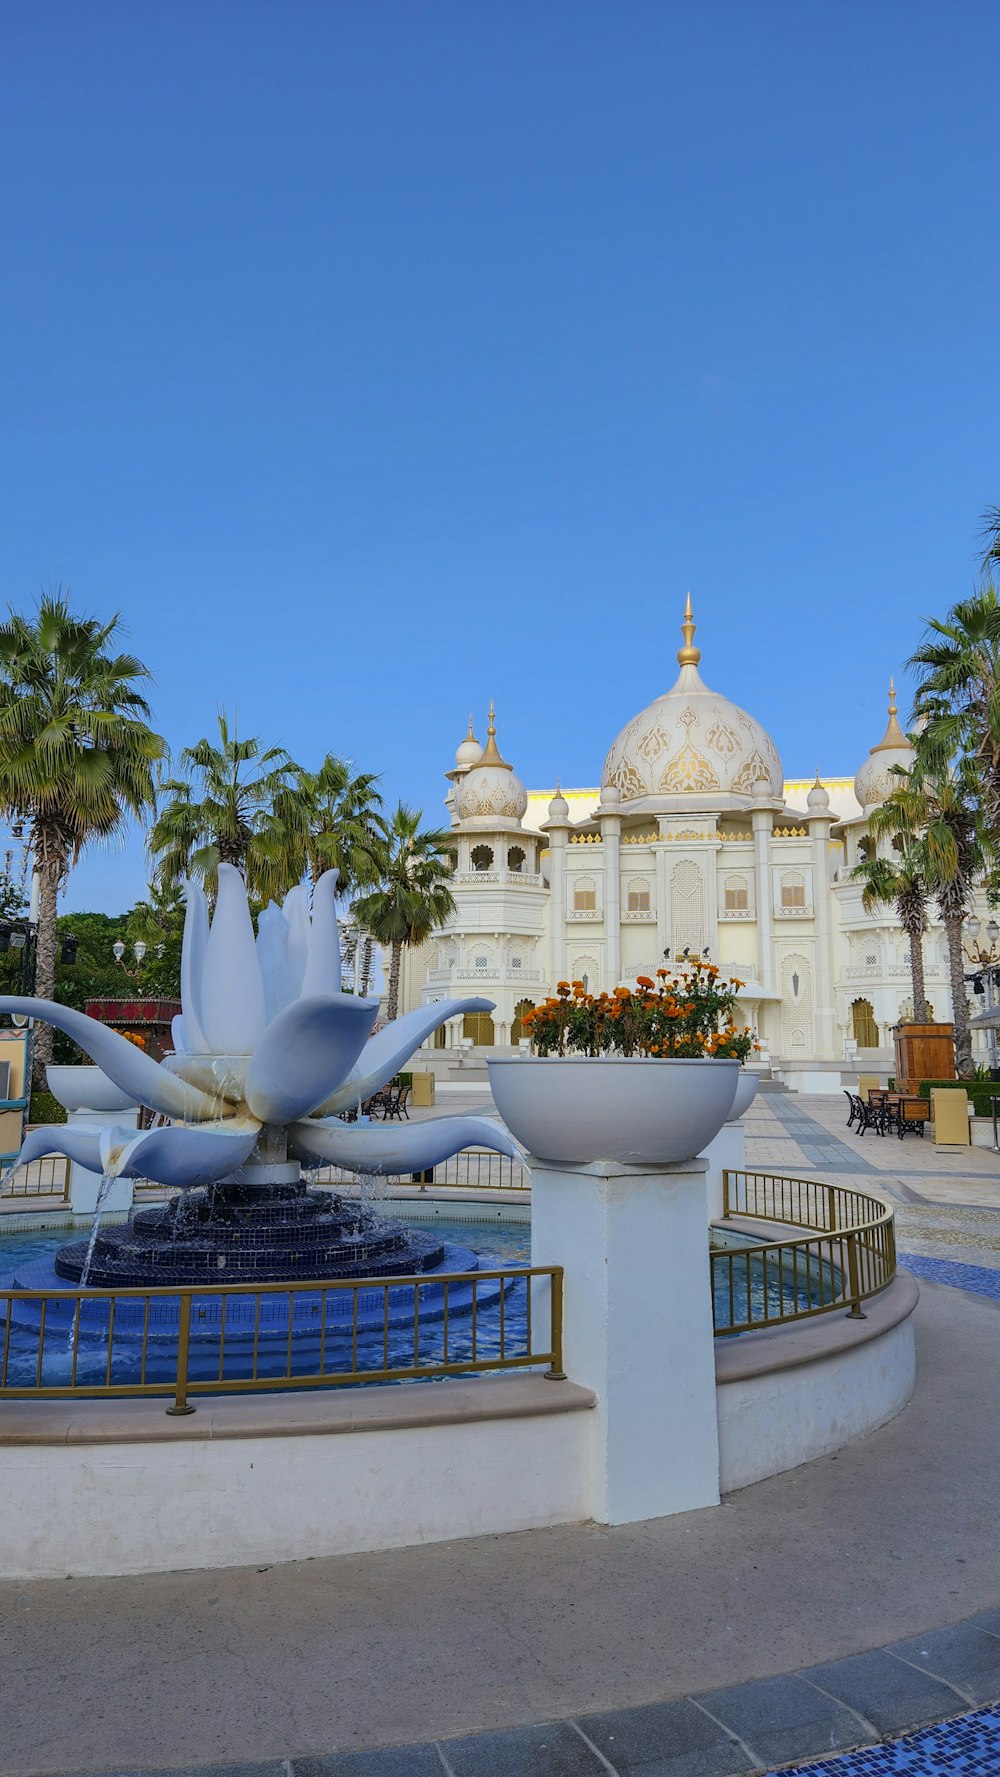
[725,1193]
[181,1402]
[555,1372]
[854,1279]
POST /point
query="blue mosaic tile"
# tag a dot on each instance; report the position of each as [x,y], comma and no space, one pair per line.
[977,1278]
[968,1746]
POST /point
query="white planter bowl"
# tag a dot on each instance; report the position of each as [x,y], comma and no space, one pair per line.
[644,1112]
[746,1092]
[86,1089]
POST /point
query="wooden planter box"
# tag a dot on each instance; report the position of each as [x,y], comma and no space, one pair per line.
[923,1052]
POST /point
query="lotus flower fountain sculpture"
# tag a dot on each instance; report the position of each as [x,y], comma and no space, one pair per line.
[268,1052]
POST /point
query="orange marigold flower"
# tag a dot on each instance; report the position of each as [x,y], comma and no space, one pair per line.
[643,981]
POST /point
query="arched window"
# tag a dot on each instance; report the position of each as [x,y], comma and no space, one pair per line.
[736,894]
[637,895]
[479,1026]
[585,895]
[516,859]
[793,889]
[482,857]
[516,1029]
[585,969]
[864,1025]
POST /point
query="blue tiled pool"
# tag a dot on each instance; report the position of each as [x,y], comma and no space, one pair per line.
[968,1746]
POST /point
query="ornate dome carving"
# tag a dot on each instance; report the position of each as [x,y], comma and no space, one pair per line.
[693,744]
[876,778]
[491,791]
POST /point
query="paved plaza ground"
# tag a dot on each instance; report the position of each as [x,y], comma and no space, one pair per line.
[614,1630]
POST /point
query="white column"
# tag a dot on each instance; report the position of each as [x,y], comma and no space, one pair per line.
[819,836]
[611,827]
[761,819]
[633,1243]
[557,901]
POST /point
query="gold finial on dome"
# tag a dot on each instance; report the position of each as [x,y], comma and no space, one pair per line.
[470,735]
[689,655]
[491,752]
[893,736]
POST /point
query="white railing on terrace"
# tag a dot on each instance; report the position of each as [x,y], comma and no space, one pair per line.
[460,973]
[505,878]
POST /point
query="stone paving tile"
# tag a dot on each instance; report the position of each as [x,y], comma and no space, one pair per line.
[385,1761]
[893,1696]
[552,1750]
[665,1740]
[962,1655]
[781,1719]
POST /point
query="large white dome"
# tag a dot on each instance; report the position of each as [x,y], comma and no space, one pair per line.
[692,748]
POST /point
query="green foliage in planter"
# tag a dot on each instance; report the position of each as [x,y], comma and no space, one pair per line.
[43,1108]
[979,1091]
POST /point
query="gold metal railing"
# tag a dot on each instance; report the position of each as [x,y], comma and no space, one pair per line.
[48,1177]
[184,1342]
[850,1258]
[474,1169]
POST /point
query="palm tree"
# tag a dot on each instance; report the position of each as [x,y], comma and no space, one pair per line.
[991,538]
[413,897]
[958,694]
[940,807]
[232,807]
[77,753]
[335,822]
[898,882]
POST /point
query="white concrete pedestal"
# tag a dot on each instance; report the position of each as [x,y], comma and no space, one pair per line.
[83,1184]
[727,1152]
[637,1326]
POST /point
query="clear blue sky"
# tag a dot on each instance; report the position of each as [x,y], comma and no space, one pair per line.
[377,357]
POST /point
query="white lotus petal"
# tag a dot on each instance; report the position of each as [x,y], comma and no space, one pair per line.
[272,956]
[139,1075]
[322,974]
[295,908]
[391,1048]
[81,1145]
[221,1077]
[393,1148]
[179,1034]
[193,947]
[232,994]
[174,1155]
[304,1052]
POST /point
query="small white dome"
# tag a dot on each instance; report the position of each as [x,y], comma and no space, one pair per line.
[470,752]
[692,748]
[818,798]
[876,779]
[491,791]
[558,807]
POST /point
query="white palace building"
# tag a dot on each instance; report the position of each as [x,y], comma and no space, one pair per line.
[695,842]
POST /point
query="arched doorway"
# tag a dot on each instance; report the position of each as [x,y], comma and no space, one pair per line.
[864,1025]
[516,1030]
[479,1026]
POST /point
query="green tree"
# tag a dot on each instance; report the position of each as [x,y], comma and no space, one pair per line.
[414,895]
[898,882]
[77,753]
[224,810]
[991,538]
[333,821]
[958,696]
[937,809]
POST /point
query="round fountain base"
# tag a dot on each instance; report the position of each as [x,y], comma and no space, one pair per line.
[238,1233]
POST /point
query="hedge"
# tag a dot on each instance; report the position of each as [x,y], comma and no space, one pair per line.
[978,1090]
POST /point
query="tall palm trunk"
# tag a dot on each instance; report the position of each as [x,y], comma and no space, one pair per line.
[917,976]
[50,865]
[960,1010]
[397,957]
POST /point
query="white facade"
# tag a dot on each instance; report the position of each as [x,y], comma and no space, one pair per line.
[694,841]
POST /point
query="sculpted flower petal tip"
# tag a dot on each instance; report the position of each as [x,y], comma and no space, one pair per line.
[322,971]
[182,1156]
[304,1053]
[232,992]
[193,947]
[382,1149]
[137,1074]
[386,1052]
[81,1145]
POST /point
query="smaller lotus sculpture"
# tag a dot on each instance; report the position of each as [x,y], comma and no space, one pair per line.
[268,1052]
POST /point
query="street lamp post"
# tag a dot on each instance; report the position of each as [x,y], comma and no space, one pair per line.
[986,970]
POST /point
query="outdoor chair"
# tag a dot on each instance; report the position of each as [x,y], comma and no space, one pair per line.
[868,1116]
[912,1113]
[850,1105]
[396,1106]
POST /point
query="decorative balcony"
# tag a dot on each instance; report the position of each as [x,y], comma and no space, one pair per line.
[497,879]
[462,973]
